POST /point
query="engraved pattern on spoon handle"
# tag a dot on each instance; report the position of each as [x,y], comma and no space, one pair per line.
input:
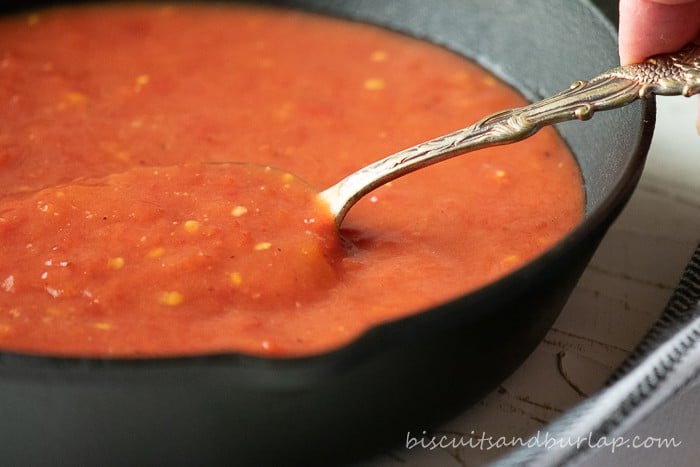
[668,74]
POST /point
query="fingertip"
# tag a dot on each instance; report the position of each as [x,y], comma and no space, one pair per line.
[648,27]
[631,19]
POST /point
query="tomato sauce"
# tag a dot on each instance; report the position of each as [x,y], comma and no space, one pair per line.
[122,233]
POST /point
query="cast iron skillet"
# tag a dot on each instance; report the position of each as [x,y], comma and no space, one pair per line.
[403,376]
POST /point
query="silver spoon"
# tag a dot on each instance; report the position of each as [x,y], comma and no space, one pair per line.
[668,75]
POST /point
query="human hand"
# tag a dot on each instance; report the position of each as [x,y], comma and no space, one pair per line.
[650,27]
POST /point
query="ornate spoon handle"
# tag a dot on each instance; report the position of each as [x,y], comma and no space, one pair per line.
[669,74]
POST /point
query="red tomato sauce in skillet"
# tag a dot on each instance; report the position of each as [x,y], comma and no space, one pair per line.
[121,234]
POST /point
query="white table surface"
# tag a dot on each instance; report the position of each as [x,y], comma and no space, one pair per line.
[622,292]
